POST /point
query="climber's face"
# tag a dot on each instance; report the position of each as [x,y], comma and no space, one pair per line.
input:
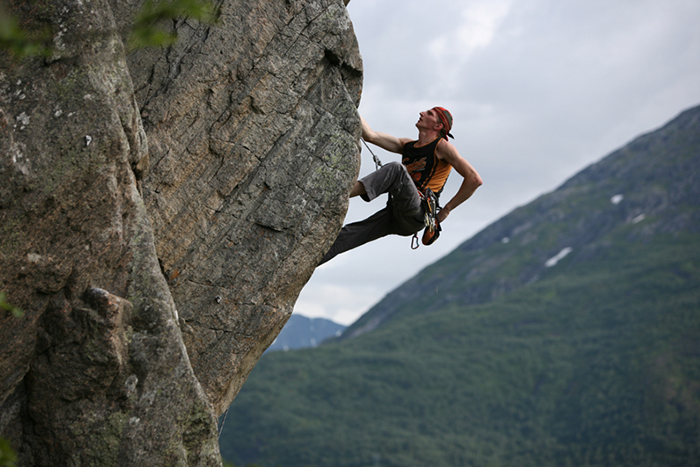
[429,120]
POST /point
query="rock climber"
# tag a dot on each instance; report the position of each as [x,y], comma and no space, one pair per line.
[426,163]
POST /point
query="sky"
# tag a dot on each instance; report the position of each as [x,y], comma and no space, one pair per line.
[539,90]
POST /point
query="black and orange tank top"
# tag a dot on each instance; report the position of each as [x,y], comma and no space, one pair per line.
[424,167]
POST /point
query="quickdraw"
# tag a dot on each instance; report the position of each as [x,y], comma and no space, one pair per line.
[432,229]
[377,162]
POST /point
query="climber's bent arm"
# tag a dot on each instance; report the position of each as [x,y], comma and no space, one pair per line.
[448,153]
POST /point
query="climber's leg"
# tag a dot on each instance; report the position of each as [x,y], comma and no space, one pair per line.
[358,233]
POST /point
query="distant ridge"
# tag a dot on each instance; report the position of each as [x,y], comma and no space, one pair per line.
[301,332]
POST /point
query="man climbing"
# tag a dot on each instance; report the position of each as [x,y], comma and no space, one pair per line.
[426,163]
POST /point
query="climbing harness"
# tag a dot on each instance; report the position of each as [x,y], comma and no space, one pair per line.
[377,162]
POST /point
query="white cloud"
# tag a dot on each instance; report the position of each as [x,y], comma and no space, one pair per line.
[476,29]
[342,303]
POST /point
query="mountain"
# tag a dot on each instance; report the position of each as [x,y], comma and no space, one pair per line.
[301,332]
[566,333]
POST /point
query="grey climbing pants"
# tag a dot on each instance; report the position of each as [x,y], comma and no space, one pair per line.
[402,215]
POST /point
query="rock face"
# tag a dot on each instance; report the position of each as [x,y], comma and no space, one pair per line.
[251,155]
[159,215]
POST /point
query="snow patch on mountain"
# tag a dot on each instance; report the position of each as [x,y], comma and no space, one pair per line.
[558,257]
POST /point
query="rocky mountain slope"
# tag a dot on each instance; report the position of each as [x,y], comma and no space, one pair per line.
[159,213]
[566,333]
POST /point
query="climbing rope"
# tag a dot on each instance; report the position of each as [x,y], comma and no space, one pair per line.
[221,427]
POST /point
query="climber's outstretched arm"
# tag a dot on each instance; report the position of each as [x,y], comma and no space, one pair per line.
[383,140]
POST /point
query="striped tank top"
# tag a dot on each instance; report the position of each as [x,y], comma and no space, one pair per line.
[424,167]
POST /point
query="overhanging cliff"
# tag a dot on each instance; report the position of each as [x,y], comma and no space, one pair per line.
[159,213]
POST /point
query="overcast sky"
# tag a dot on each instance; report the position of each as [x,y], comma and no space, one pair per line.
[539,89]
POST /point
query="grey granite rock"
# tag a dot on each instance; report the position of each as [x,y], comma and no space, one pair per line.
[253,152]
[159,216]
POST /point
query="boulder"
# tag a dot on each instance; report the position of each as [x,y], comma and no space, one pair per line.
[160,212]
